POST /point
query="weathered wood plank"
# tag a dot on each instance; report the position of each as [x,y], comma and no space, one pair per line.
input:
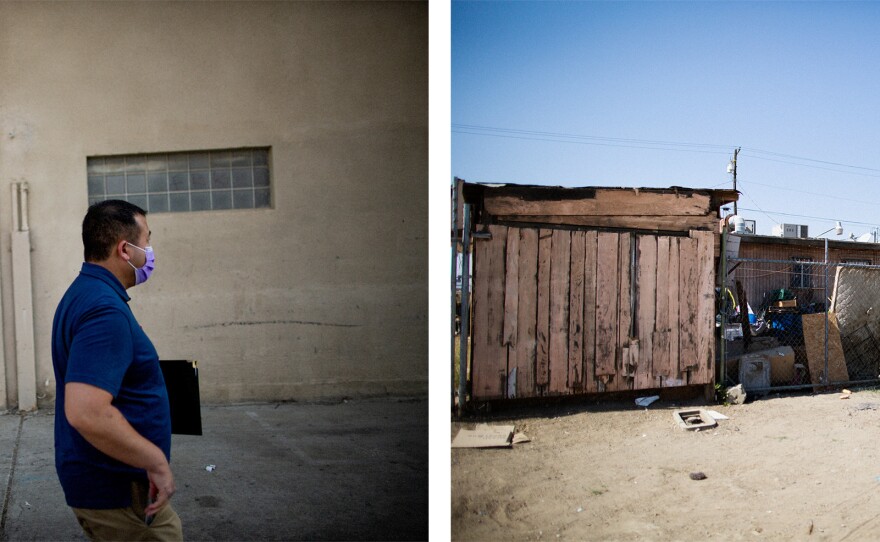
[490,371]
[617,202]
[542,374]
[526,344]
[624,304]
[560,267]
[646,307]
[639,222]
[705,307]
[482,270]
[660,364]
[576,314]
[689,284]
[511,288]
[607,283]
[674,314]
[590,259]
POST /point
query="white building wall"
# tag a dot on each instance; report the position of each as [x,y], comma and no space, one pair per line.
[324,294]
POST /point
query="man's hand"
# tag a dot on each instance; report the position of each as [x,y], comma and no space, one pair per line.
[161,489]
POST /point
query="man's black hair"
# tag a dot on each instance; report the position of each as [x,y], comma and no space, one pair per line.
[107,222]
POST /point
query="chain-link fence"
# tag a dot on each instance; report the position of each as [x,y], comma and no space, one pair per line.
[778,328]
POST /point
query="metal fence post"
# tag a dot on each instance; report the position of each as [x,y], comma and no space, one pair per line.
[825,304]
[722,283]
[454,276]
[465,306]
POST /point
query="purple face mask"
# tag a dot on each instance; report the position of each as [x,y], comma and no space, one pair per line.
[143,273]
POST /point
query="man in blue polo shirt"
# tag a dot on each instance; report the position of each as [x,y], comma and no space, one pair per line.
[112,420]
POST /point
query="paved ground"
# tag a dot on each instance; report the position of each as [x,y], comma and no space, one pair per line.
[356,470]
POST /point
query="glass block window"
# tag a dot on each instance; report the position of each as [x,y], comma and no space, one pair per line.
[183,181]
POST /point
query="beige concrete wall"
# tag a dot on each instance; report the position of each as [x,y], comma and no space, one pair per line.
[324,294]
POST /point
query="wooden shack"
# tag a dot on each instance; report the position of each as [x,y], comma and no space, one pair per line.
[589,290]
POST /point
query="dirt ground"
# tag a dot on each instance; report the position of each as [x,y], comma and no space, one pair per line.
[789,467]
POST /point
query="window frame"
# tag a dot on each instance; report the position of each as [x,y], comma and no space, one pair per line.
[184,181]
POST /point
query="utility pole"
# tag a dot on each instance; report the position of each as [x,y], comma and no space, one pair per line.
[733,163]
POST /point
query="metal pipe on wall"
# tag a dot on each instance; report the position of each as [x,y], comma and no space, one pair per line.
[23,300]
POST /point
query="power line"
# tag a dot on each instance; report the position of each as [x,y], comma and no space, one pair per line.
[872,224]
[808,159]
[575,140]
[567,137]
[480,129]
[759,208]
[819,167]
[851,200]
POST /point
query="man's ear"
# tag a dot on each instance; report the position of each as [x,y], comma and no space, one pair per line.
[120,250]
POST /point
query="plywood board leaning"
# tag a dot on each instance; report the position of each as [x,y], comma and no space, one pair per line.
[814,341]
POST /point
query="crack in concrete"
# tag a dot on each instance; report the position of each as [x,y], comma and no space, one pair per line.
[270,322]
[10,478]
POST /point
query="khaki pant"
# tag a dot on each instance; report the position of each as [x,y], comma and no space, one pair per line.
[130,523]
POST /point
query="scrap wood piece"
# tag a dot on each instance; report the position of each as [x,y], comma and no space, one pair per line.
[484,436]
[519,438]
[814,341]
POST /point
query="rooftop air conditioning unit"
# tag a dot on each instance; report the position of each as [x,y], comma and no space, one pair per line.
[790,230]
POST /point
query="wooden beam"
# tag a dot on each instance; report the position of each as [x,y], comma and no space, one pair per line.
[605,202]
[676,223]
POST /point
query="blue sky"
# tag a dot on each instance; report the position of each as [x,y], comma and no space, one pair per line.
[659,94]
